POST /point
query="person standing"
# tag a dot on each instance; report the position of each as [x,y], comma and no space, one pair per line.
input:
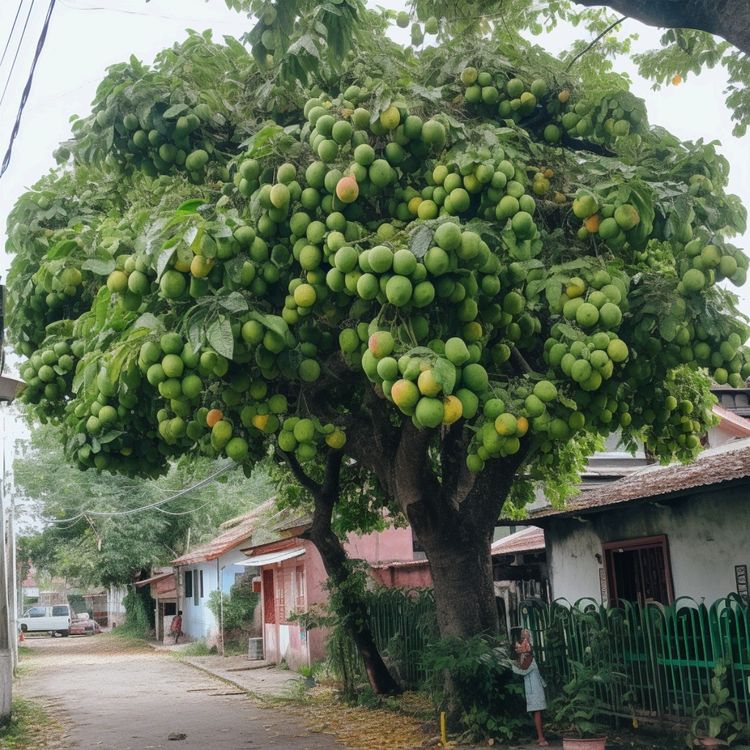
[533,684]
[175,627]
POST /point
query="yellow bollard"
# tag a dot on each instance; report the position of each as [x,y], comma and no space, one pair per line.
[443,735]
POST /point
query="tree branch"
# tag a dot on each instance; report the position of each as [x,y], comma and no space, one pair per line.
[453,461]
[299,473]
[589,46]
[582,144]
[485,499]
[729,19]
[520,361]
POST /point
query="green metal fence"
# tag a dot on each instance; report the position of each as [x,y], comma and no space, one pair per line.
[403,623]
[667,653]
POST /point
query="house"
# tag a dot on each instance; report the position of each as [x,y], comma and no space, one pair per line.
[162,585]
[662,533]
[293,577]
[519,572]
[106,605]
[213,566]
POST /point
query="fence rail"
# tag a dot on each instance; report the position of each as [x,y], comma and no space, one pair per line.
[667,653]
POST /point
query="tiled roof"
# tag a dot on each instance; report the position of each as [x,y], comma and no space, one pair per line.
[526,540]
[400,564]
[726,463]
[239,533]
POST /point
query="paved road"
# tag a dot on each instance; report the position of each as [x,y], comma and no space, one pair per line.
[115,698]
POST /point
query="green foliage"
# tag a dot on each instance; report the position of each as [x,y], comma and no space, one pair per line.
[479,668]
[97,549]
[579,708]
[137,614]
[237,607]
[716,716]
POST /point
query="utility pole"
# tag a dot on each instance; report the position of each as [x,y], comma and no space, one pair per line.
[8,389]
[6,660]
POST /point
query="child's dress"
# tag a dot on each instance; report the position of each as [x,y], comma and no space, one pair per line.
[533,685]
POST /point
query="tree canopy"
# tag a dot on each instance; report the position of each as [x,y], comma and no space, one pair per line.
[427,279]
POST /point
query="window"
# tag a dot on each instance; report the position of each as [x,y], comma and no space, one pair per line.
[60,611]
[37,612]
[299,588]
[188,584]
[201,586]
[639,570]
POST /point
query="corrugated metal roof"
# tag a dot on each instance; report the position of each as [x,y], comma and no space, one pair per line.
[726,463]
[239,533]
[526,540]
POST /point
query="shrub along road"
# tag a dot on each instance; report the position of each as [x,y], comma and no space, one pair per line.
[115,695]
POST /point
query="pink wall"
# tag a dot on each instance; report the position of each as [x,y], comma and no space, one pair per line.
[381,546]
[404,577]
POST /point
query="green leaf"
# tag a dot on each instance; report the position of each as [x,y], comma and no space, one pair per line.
[445,374]
[147,320]
[175,111]
[234,303]
[274,323]
[99,267]
[420,240]
[62,249]
[219,335]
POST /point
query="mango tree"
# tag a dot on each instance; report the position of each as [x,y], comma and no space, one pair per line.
[428,281]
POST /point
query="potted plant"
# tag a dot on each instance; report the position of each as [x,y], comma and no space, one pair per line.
[577,710]
[715,722]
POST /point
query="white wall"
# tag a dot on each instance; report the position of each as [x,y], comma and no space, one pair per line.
[198,622]
[708,534]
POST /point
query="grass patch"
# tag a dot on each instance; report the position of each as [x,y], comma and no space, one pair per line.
[29,727]
[199,648]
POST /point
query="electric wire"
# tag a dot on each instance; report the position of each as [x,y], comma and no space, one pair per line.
[18,50]
[10,34]
[27,88]
[151,506]
[128,12]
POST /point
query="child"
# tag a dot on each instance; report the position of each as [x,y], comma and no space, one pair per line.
[176,627]
[533,684]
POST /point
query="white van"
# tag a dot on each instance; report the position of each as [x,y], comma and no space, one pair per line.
[54,618]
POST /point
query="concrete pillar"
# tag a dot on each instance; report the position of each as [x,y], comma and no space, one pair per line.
[6,676]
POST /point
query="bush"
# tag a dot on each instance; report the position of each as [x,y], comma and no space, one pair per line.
[235,610]
[137,621]
[479,668]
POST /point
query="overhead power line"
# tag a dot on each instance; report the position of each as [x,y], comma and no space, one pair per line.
[27,88]
[143,508]
[18,49]
[12,29]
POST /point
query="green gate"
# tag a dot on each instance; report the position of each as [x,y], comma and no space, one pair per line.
[667,653]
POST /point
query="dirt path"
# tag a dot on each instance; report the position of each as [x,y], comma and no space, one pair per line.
[116,696]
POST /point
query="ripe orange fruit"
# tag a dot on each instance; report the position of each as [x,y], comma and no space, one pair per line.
[676,79]
[214,416]
[347,189]
[592,223]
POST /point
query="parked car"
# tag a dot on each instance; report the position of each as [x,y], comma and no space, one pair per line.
[84,625]
[54,618]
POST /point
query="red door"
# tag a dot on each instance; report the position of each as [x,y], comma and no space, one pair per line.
[269,602]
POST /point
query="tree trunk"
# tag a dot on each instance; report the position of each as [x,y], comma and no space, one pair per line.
[348,600]
[463,586]
[354,609]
